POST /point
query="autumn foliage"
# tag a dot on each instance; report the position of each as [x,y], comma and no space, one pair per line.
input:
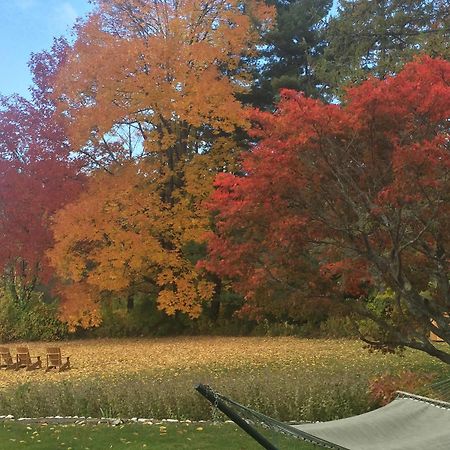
[119,236]
[348,200]
[37,178]
[157,112]
[134,173]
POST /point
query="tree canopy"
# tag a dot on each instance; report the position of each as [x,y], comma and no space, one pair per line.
[348,201]
[37,177]
[137,179]
[157,111]
[290,50]
[379,37]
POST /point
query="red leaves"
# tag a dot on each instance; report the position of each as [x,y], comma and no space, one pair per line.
[402,102]
[36,179]
[353,274]
[383,389]
[329,185]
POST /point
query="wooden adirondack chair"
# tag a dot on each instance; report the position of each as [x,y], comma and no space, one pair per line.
[25,360]
[6,360]
[55,361]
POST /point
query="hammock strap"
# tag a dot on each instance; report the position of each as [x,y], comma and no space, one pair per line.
[220,401]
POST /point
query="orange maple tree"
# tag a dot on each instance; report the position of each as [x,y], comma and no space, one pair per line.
[149,90]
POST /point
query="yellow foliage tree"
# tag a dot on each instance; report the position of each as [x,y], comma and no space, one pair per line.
[149,90]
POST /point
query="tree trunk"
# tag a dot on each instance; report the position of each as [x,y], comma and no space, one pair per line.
[130,303]
[214,309]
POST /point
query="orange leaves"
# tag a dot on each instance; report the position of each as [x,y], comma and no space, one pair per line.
[120,235]
[79,306]
[185,294]
[169,66]
[168,71]
[110,224]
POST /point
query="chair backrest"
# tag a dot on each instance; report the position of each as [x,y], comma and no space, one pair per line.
[5,356]
[23,356]
[54,356]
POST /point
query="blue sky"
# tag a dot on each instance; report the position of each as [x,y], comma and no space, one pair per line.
[28,26]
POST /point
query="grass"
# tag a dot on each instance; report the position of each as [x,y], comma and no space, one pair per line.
[132,437]
[288,378]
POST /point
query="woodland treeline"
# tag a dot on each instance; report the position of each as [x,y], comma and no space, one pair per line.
[234,167]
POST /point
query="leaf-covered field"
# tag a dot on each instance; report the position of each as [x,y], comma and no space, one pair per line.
[286,377]
[99,358]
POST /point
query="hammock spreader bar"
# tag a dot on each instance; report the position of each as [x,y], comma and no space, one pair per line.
[218,401]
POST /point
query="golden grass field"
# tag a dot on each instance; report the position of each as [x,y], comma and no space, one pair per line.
[99,358]
[286,377]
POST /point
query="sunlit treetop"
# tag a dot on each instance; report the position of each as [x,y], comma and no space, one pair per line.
[157,64]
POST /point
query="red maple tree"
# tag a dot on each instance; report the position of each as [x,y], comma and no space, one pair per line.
[37,177]
[348,201]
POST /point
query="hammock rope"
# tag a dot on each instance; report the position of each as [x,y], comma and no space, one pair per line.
[220,402]
[439,389]
[248,418]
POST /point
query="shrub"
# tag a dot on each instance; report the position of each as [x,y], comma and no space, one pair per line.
[338,327]
[39,321]
[35,320]
[9,317]
[144,319]
[382,389]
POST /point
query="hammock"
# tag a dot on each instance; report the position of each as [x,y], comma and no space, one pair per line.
[409,422]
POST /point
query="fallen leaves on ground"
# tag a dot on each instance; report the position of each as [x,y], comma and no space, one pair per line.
[105,357]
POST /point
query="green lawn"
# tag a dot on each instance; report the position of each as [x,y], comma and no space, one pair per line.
[14,436]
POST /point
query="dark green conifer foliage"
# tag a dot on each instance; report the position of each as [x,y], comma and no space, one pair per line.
[378,36]
[289,50]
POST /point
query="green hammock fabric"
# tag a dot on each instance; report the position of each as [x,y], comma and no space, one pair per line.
[408,422]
